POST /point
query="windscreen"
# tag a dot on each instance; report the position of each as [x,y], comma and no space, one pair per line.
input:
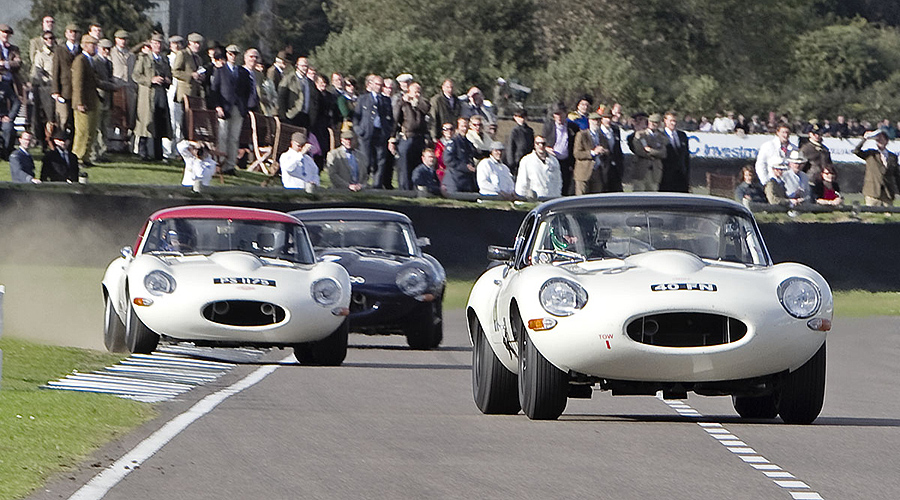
[276,240]
[380,236]
[588,234]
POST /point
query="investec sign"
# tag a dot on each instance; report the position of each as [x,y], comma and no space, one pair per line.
[711,145]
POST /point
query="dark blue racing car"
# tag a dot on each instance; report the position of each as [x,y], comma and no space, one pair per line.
[396,288]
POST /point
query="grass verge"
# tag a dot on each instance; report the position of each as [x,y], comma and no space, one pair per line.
[45,431]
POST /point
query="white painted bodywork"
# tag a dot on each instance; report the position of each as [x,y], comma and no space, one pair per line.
[178,315]
[593,340]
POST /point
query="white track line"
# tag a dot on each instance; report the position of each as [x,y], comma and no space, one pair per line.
[97,487]
[797,489]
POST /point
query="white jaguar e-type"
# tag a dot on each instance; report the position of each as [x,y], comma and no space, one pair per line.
[226,276]
[647,293]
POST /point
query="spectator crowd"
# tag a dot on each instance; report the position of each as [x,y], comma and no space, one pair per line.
[86,92]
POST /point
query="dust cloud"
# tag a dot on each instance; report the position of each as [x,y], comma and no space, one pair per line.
[52,259]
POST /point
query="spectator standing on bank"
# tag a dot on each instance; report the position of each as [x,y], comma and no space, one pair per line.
[774,152]
[123,62]
[153,76]
[41,70]
[187,76]
[9,109]
[230,91]
[459,157]
[559,133]
[582,110]
[882,173]
[445,108]
[61,77]
[825,190]
[590,152]
[294,95]
[85,99]
[276,71]
[373,123]
[539,175]
[520,141]
[676,166]
[424,177]
[176,113]
[410,115]
[37,43]
[477,106]
[348,167]
[21,163]
[750,190]
[105,88]
[649,146]
[298,170]
[816,152]
[494,177]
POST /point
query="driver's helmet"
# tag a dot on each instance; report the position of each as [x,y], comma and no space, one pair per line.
[560,234]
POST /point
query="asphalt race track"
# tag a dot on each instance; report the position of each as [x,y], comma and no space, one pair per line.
[393,423]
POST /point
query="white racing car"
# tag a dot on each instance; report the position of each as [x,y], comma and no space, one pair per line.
[226,276]
[642,293]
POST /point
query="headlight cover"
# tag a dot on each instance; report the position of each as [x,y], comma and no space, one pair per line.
[159,282]
[561,297]
[800,297]
[412,281]
[326,292]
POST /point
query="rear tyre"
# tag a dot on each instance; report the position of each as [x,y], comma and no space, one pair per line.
[428,332]
[330,351]
[138,338]
[113,329]
[543,388]
[493,386]
[803,391]
[755,406]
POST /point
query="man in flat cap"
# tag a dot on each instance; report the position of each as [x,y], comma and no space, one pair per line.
[176,113]
[61,77]
[123,61]
[10,59]
[105,88]
[298,170]
[188,82]
[153,76]
[649,147]
[44,104]
[85,99]
[347,166]
[882,178]
[276,71]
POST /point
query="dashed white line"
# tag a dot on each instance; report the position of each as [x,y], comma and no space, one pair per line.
[748,455]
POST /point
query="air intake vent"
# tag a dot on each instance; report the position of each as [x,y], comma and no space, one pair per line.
[686,330]
[243,313]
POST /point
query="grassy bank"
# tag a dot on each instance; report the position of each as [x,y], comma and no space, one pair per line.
[44,431]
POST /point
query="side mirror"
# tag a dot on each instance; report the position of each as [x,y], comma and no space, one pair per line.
[423,241]
[500,253]
[127,252]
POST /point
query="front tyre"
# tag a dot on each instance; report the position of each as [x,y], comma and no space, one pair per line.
[543,388]
[138,338]
[330,351]
[802,391]
[493,386]
[427,331]
[113,329]
[755,406]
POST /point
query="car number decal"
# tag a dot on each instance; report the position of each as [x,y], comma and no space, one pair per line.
[243,281]
[700,287]
[359,280]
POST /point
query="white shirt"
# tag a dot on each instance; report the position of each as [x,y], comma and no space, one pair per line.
[770,154]
[297,170]
[195,169]
[723,125]
[494,177]
[539,178]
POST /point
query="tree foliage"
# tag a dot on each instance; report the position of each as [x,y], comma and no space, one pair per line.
[300,25]
[112,15]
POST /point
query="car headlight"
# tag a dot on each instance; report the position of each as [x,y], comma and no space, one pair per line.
[326,291]
[412,281]
[159,282]
[800,297]
[561,297]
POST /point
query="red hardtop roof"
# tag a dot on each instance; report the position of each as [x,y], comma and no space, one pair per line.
[223,212]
